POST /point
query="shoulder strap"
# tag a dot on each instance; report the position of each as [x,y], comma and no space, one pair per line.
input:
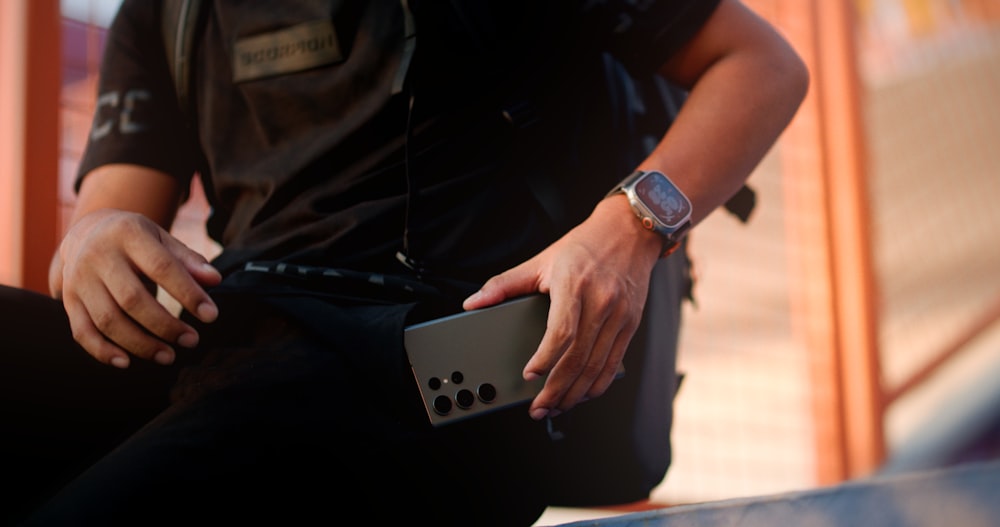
[179,22]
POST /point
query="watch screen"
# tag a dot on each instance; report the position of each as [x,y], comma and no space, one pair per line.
[663,199]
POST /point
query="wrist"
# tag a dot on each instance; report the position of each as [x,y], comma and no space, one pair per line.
[659,206]
[626,228]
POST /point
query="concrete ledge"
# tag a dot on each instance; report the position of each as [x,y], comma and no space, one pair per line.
[966,496]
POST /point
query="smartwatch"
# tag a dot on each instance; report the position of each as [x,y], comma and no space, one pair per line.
[659,205]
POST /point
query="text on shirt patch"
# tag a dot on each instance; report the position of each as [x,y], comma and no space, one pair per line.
[296,48]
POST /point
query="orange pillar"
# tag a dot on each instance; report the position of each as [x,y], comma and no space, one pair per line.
[29,133]
[13,14]
[824,160]
[41,190]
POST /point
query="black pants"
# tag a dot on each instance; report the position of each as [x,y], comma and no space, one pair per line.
[265,421]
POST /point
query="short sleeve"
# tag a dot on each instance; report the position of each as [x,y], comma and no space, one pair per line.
[137,119]
[643,35]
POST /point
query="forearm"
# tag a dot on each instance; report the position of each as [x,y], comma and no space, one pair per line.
[746,84]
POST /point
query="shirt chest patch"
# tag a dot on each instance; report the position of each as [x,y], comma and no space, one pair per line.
[292,49]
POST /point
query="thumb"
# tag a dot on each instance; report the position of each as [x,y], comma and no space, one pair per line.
[510,284]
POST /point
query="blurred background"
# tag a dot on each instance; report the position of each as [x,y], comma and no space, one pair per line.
[850,329]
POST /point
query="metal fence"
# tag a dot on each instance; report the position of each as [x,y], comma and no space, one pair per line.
[763,410]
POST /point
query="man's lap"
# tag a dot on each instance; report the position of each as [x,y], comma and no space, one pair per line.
[298,425]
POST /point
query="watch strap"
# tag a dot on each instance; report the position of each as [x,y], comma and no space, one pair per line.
[625,182]
[672,241]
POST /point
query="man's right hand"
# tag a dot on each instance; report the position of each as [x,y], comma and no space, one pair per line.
[109,264]
[112,261]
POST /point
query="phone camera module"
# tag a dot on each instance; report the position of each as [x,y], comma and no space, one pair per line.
[442,405]
[487,392]
[465,399]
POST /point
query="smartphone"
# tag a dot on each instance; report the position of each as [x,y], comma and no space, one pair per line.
[471,363]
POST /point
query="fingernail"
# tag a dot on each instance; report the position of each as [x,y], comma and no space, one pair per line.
[207,312]
[530,376]
[474,296]
[539,413]
[163,357]
[119,362]
[210,268]
[555,413]
[188,340]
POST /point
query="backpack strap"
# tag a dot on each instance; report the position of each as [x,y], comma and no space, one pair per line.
[742,203]
[179,23]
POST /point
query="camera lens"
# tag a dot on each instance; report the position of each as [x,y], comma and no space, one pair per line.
[442,405]
[434,383]
[465,399]
[457,377]
[487,392]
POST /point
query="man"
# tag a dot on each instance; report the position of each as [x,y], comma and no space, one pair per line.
[369,165]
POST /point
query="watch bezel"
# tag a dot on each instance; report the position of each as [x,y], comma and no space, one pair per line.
[643,211]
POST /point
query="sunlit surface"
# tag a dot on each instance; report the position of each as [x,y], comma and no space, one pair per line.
[97,12]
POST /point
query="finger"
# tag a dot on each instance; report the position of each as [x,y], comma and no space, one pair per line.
[203,272]
[561,334]
[138,304]
[518,281]
[170,270]
[563,354]
[86,334]
[590,362]
[115,325]
[613,334]
[611,367]
[570,381]
[596,377]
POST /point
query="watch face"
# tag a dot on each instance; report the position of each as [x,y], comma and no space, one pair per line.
[663,199]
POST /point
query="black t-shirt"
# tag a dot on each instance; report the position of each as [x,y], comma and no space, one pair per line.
[515,117]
